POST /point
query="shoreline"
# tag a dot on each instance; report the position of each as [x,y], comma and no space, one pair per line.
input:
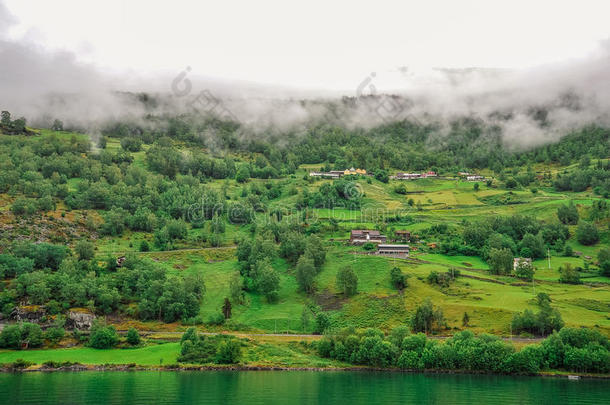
[134,368]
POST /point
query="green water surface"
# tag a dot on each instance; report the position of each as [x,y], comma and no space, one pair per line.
[293,387]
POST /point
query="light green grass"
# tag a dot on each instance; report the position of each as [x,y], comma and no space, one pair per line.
[152,355]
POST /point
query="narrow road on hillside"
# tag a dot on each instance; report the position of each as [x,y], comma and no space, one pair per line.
[153,332]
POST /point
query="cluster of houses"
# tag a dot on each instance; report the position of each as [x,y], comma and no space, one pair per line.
[335,174]
[362,236]
[412,176]
[471,177]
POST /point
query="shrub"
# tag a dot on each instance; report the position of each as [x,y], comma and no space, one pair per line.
[398,279]
[103,337]
[587,233]
[568,274]
[133,337]
[216,319]
[427,317]
[14,336]
[347,281]
[55,334]
[228,352]
[568,214]
[85,250]
[322,323]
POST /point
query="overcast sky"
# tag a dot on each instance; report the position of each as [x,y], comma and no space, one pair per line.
[311,44]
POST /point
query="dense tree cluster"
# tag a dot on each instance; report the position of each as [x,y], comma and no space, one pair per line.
[196,348]
[581,350]
[546,321]
[46,275]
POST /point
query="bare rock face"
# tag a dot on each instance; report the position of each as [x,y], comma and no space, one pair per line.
[33,314]
[79,320]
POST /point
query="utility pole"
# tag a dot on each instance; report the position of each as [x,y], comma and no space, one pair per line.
[548,254]
[534,285]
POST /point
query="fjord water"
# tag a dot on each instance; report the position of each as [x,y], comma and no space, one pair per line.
[294,387]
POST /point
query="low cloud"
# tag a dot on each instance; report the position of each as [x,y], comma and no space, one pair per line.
[531,107]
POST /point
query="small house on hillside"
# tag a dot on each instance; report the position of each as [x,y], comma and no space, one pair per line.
[403,235]
[399,251]
[362,236]
[475,178]
[407,176]
[517,261]
[353,171]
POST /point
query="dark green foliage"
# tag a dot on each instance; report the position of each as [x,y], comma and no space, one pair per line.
[45,255]
[568,214]
[582,350]
[398,279]
[532,246]
[347,281]
[133,337]
[131,144]
[20,335]
[226,308]
[542,323]
[587,233]
[382,175]
[603,257]
[427,318]
[85,250]
[102,336]
[54,334]
[268,282]
[500,261]
[568,274]
[228,352]
[322,323]
[443,279]
[315,250]
[11,266]
[465,319]
[305,274]
[196,348]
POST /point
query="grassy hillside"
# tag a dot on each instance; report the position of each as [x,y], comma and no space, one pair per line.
[490,300]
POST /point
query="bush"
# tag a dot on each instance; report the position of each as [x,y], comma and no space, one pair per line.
[228,352]
[500,261]
[85,250]
[322,323]
[103,337]
[14,336]
[131,144]
[543,323]
[587,233]
[369,246]
[568,274]
[216,319]
[427,318]
[347,281]
[55,334]
[568,214]
[398,279]
[133,337]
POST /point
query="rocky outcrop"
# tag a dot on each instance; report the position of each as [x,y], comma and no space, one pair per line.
[79,320]
[33,314]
